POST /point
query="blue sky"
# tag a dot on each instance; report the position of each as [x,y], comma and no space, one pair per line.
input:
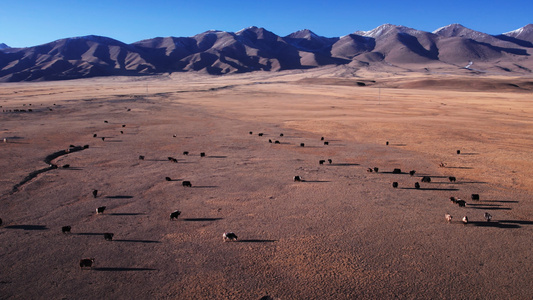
[26,23]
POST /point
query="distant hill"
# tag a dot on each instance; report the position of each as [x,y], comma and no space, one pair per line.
[453,47]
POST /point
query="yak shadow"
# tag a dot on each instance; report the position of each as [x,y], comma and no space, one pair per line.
[71,168]
[486,207]
[123,269]
[205,186]
[178,179]
[119,197]
[502,201]
[495,224]
[470,182]
[482,204]
[428,189]
[114,141]
[156,159]
[257,241]
[138,241]
[398,145]
[343,165]
[316,181]
[217,156]
[126,214]
[201,219]
[27,227]
[517,222]
[470,153]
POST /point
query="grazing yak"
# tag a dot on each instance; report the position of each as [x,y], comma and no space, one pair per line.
[321,161]
[85,146]
[168,178]
[172,159]
[103,138]
[397,171]
[270,141]
[121,132]
[123,125]
[95,135]
[426,179]
[475,197]
[0,222]
[452,179]
[95,193]
[297,178]
[277,142]
[376,169]
[260,134]
[229,236]
[453,200]
[100,210]
[465,220]
[302,144]
[66,229]
[461,203]
[281,134]
[448,218]
[322,138]
[202,154]
[86,263]
[108,236]
[326,143]
[65,166]
[330,161]
[412,172]
[442,165]
[251,132]
[185,152]
[417,185]
[186,184]
[174,215]
[487,217]
[369,170]
[141,157]
[458,151]
[395,184]
[387,143]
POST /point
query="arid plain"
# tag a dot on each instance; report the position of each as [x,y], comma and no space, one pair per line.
[341,233]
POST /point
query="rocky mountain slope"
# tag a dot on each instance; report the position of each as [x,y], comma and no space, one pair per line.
[453,47]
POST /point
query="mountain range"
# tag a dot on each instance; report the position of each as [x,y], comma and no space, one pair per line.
[387,47]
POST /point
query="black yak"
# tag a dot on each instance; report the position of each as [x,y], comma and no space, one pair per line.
[108,236]
[168,178]
[417,185]
[95,193]
[475,197]
[66,229]
[395,184]
[100,210]
[202,154]
[302,144]
[321,161]
[412,172]
[229,236]
[141,157]
[86,263]
[452,179]
[175,214]
[397,171]
[426,179]
[376,169]
[297,178]
[186,184]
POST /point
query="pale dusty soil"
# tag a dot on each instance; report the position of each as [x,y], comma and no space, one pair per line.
[343,233]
